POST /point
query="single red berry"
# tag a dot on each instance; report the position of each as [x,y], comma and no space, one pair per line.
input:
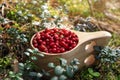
[52,43]
[56,36]
[40,41]
[55,30]
[42,47]
[37,34]
[44,43]
[64,44]
[54,46]
[34,41]
[54,50]
[35,45]
[62,49]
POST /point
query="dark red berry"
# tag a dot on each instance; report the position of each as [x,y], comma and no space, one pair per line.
[55,40]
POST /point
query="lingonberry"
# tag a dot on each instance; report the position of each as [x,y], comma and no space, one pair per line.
[55,40]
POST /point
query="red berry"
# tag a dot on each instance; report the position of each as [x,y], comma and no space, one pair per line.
[54,46]
[56,36]
[36,45]
[44,43]
[64,44]
[73,45]
[55,30]
[62,49]
[37,34]
[52,43]
[54,50]
[42,48]
[55,40]
[40,41]
[47,35]
[34,41]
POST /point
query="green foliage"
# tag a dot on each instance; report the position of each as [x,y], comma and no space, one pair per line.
[31,52]
[25,12]
[27,68]
[107,66]
[95,74]
[112,76]
[85,25]
[109,62]
[64,71]
[5,62]
[89,74]
[20,16]
[77,8]
[108,55]
[58,70]
[51,65]
[115,40]
[99,15]
[15,76]
[16,34]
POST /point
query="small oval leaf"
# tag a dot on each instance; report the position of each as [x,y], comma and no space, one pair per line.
[62,77]
[34,58]
[54,78]
[96,74]
[58,70]
[51,65]
[27,53]
[30,50]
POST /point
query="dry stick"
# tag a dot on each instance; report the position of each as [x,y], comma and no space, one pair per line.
[15,65]
[3,8]
[91,7]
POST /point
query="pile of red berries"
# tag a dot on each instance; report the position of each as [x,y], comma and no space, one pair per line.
[55,40]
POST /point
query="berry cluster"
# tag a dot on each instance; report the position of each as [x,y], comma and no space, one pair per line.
[55,40]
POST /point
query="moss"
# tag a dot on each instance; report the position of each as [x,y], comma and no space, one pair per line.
[99,15]
[115,40]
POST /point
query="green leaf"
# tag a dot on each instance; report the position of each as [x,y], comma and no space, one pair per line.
[19,78]
[34,58]
[34,74]
[21,64]
[24,39]
[27,53]
[11,74]
[41,55]
[75,61]
[30,50]
[21,67]
[96,74]
[63,62]
[62,77]
[69,71]
[19,74]
[58,70]
[39,75]
[51,65]
[12,12]
[36,50]
[90,70]
[75,67]
[54,78]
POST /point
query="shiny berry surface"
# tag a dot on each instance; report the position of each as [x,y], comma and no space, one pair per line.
[55,40]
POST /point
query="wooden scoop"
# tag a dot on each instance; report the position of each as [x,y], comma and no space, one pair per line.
[83,49]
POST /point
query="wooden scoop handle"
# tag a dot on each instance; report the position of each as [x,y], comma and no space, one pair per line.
[100,37]
[87,40]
